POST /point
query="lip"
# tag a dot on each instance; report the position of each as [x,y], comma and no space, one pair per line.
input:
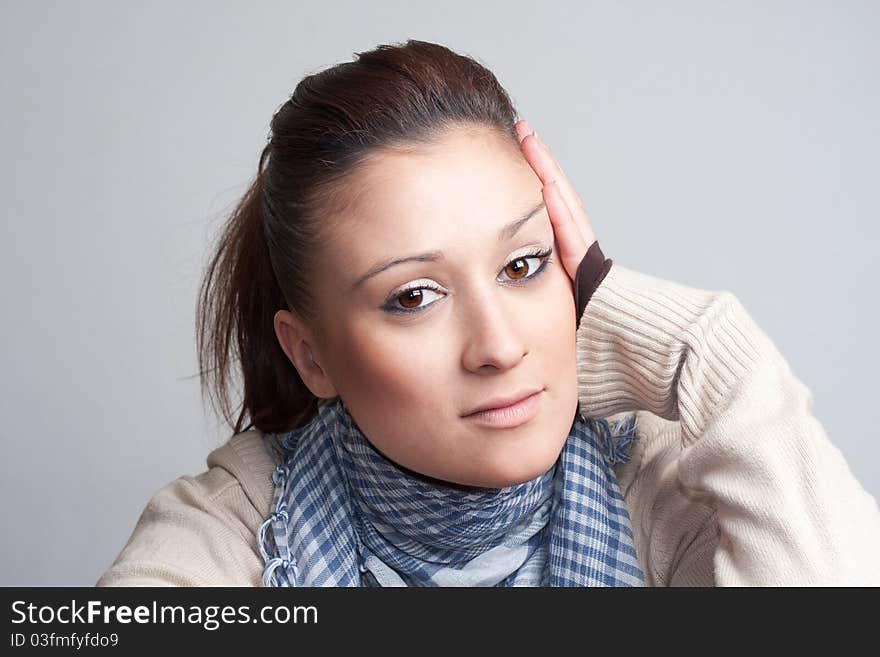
[508,413]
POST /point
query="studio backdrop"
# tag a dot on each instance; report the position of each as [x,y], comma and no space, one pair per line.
[725,146]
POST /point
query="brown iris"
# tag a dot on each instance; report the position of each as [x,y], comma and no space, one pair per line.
[519,272]
[413,297]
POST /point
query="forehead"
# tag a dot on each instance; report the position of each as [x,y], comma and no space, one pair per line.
[460,189]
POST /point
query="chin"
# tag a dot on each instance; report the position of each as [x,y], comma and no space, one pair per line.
[519,473]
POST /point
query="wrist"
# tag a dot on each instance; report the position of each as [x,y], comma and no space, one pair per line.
[590,273]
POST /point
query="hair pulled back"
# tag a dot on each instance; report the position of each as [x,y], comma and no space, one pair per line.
[392,97]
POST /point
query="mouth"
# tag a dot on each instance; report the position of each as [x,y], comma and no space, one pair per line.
[508,414]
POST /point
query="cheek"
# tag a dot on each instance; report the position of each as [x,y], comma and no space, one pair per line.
[391,383]
[380,367]
[558,310]
[555,334]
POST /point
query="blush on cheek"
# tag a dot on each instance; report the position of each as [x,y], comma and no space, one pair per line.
[385,375]
[395,400]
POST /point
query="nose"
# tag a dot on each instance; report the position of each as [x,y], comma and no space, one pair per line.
[494,338]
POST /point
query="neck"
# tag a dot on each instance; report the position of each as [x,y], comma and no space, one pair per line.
[431,480]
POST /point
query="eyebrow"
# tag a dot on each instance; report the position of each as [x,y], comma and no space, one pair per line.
[506,233]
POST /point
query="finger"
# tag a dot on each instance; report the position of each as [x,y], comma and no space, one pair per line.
[545,165]
[546,169]
[538,159]
[568,190]
[523,129]
[570,241]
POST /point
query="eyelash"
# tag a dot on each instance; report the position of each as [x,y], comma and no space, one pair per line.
[538,253]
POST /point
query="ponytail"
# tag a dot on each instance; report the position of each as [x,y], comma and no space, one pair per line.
[392,96]
[238,300]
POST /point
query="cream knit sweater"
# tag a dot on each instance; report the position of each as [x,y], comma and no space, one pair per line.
[732,480]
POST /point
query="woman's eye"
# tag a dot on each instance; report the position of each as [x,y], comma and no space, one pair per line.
[412,299]
[519,269]
[416,299]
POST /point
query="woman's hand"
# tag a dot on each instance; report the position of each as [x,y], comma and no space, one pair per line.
[571,226]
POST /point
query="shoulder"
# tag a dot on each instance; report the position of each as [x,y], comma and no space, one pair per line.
[201,530]
[249,459]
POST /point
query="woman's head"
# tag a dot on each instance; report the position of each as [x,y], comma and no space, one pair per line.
[408,151]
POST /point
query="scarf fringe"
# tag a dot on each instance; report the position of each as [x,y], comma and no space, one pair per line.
[615,442]
[280,516]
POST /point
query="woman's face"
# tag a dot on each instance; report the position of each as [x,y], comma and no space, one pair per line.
[415,347]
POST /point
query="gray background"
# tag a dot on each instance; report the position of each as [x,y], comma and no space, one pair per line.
[721,145]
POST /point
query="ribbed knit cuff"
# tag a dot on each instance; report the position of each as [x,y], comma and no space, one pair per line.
[590,273]
[635,335]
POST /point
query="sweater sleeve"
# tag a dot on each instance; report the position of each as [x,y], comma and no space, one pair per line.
[590,273]
[789,510]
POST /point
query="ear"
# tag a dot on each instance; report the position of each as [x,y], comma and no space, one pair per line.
[297,342]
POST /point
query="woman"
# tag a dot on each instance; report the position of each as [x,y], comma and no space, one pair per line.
[432,345]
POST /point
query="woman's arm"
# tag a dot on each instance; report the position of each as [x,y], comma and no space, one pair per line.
[788,508]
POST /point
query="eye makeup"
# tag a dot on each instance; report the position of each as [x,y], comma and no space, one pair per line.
[413,292]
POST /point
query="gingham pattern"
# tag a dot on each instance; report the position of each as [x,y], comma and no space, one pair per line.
[344,515]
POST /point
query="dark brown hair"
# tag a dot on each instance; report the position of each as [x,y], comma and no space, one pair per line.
[397,96]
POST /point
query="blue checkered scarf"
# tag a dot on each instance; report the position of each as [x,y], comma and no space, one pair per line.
[345,515]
